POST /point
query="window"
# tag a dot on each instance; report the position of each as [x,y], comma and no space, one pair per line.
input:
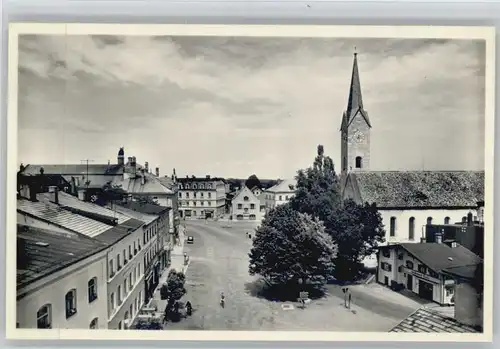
[411,229]
[112,301]
[409,265]
[94,324]
[245,209]
[240,206]
[209,186]
[201,187]
[359,162]
[393,226]
[446,220]
[125,289]
[252,206]
[194,194]
[119,294]
[245,198]
[131,309]
[400,269]
[120,325]
[210,203]
[429,220]
[449,290]
[70,303]
[130,252]
[130,281]
[209,195]
[386,266]
[135,305]
[118,264]
[111,269]
[124,257]
[180,194]
[286,197]
[194,187]
[422,269]
[386,253]
[92,284]
[187,195]
[280,197]
[400,256]
[44,317]
[186,186]
[125,319]
[135,249]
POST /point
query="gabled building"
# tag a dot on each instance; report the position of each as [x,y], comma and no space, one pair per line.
[246,206]
[421,268]
[407,200]
[280,193]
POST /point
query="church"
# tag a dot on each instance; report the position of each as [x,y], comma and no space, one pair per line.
[407,200]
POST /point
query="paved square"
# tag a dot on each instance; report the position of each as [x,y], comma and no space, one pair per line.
[219,263]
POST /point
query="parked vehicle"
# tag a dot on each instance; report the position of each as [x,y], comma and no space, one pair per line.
[190,240]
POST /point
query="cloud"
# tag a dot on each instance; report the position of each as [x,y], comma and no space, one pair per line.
[264,103]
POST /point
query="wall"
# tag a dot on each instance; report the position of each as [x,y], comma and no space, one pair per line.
[246,205]
[467,308]
[403,218]
[53,288]
[274,199]
[134,266]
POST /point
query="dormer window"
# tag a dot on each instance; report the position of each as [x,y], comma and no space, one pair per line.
[194,186]
[209,186]
[186,186]
[245,198]
[201,186]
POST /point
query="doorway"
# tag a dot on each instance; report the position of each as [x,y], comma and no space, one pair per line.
[425,290]
[409,282]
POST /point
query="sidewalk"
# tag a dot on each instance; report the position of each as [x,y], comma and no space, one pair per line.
[176,263]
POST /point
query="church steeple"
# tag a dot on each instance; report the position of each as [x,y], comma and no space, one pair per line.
[355,129]
[355,101]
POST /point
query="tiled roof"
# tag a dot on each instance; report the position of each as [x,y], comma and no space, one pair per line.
[439,256]
[421,188]
[285,186]
[426,320]
[57,215]
[42,252]
[118,232]
[167,182]
[151,185]
[144,208]
[72,201]
[70,169]
[146,218]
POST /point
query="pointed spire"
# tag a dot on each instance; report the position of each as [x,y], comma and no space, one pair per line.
[355,99]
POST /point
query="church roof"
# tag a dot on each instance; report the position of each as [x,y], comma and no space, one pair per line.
[419,189]
[355,101]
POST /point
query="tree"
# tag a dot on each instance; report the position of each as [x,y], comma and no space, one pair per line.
[252,182]
[175,289]
[356,229]
[290,246]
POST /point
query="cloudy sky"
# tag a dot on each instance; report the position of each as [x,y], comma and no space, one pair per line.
[236,106]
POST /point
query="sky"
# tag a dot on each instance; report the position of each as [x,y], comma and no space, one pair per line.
[236,106]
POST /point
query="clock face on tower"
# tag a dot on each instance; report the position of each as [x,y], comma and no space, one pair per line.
[357,136]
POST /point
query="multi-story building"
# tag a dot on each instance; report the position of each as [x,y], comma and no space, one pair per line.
[61,280]
[247,206]
[280,193]
[66,214]
[201,197]
[157,239]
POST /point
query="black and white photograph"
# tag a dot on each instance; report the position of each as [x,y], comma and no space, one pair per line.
[231,180]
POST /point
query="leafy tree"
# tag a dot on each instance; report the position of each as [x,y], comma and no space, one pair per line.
[252,182]
[290,246]
[175,289]
[356,229]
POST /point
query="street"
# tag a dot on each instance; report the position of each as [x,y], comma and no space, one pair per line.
[219,263]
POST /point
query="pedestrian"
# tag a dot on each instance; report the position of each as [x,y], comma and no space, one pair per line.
[349,300]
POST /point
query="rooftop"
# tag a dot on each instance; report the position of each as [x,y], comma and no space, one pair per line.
[284,186]
[75,170]
[426,320]
[42,252]
[466,272]
[421,188]
[152,185]
[439,256]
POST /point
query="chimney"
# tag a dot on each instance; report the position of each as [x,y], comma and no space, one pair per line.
[146,166]
[81,194]
[143,177]
[129,160]
[54,194]
[470,220]
[157,172]
[439,237]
